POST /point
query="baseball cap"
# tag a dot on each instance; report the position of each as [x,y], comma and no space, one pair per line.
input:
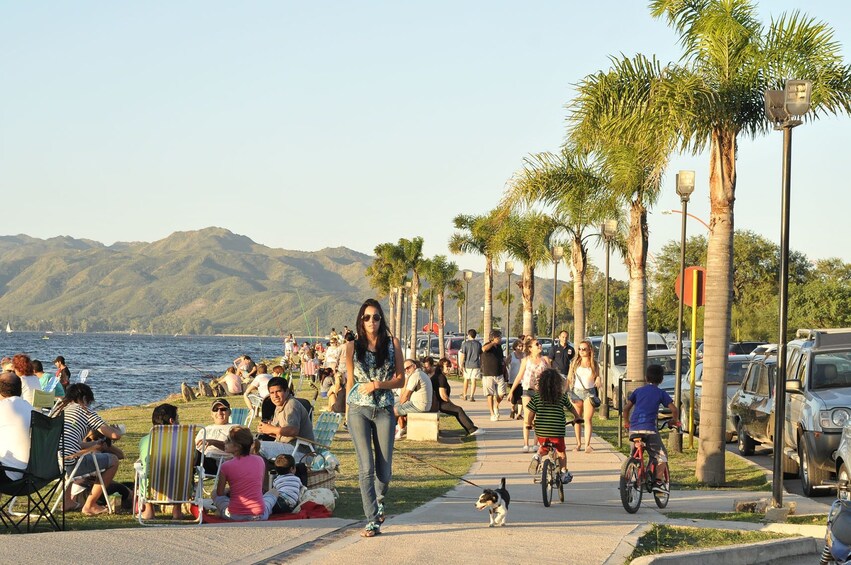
[222,402]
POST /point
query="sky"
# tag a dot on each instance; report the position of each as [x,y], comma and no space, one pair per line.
[306,125]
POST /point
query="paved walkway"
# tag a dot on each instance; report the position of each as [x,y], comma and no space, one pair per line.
[587,528]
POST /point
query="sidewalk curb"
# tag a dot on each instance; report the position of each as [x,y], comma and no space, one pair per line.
[749,554]
[627,545]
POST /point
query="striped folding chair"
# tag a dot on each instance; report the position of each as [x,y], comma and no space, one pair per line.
[324,431]
[241,416]
[165,474]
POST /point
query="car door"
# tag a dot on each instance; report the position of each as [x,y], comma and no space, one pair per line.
[744,398]
[760,407]
[795,401]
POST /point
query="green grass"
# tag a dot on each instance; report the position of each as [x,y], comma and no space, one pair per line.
[669,539]
[740,474]
[804,519]
[413,484]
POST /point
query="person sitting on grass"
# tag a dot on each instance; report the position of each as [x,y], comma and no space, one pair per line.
[545,411]
[640,415]
[287,484]
[244,475]
[163,415]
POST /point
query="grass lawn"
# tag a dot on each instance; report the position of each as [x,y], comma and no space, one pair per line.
[668,539]
[413,482]
[805,519]
[740,474]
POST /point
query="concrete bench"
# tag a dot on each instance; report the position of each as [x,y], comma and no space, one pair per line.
[423,426]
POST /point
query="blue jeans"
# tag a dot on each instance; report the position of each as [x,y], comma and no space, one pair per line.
[372,431]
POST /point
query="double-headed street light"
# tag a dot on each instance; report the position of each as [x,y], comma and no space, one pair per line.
[509,268]
[685,186]
[783,108]
[609,230]
[468,276]
[558,253]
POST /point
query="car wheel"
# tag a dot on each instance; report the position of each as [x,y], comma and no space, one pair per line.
[843,474]
[811,475]
[746,443]
[684,418]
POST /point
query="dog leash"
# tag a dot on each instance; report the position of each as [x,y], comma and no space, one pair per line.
[453,475]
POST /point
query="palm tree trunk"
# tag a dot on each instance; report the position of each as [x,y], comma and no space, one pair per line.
[636,340]
[579,266]
[391,299]
[716,325]
[441,322]
[487,323]
[397,323]
[415,299]
[528,293]
[460,305]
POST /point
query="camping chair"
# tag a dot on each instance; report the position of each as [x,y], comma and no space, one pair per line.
[323,431]
[42,470]
[73,480]
[84,374]
[43,401]
[256,404]
[241,416]
[51,385]
[167,476]
[308,405]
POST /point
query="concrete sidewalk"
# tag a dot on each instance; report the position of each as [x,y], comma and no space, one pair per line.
[590,527]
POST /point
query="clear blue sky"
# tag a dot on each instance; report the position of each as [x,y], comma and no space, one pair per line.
[306,125]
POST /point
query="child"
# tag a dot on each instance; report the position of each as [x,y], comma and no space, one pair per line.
[287,484]
[546,409]
[244,475]
[642,421]
[327,381]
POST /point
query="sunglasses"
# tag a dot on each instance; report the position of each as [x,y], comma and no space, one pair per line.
[583,349]
[367,317]
[407,367]
[220,409]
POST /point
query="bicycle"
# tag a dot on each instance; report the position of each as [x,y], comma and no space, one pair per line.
[550,471]
[638,476]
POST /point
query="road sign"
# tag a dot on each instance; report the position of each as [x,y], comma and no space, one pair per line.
[691,274]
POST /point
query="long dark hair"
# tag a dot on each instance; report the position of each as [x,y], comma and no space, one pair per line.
[550,386]
[75,393]
[361,344]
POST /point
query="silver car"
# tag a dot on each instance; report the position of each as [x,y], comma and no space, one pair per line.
[737,366]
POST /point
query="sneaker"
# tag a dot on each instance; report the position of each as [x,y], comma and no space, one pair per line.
[525,449]
[660,487]
[496,415]
[476,432]
[494,418]
[534,464]
[566,477]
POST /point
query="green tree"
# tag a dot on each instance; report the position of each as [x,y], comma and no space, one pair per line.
[440,273]
[411,255]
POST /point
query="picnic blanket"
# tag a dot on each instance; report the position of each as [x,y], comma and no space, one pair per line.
[308,510]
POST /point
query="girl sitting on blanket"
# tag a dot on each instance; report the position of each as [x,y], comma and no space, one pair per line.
[244,475]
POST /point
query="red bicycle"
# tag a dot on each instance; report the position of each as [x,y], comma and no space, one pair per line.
[638,476]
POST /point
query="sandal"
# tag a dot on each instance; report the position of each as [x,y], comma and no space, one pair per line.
[380,517]
[578,447]
[371,530]
[589,449]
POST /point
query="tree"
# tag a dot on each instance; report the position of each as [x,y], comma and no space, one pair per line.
[527,238]
[440,273]
[411,255]
[708,100]
[383,276]
[576,190]
[480,235]
[456,293]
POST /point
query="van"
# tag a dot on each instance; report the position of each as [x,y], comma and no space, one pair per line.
[616,358]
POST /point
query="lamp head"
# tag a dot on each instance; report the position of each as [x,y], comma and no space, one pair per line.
[509,267]
[796,100]
[558,253]
[468,276]
[685,184]
[610,228]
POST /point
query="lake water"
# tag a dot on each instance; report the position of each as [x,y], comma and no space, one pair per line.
[139,369]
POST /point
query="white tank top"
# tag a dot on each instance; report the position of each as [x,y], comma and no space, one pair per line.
[583,377]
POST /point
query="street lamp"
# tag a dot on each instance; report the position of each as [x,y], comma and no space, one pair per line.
[509,268]
[783,108]
[558,253]
[468,276]
[685,186]
[609,229]
[692,216]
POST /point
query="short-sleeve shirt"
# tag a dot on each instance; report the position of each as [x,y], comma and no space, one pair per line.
[79,421]
[472,351]
[420,386]
[493,362]
[15,416]
[292,413]
[244,475]
[262,383]
[549,418]
[561,356]
[29,384]
[214,431]
[439,381]
[645,410]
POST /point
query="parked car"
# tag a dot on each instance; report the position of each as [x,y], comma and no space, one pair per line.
[735,348]
[818,403]
[615,358]
[452,346]
[737,366]
[667,358]
[424,348]
[546,345]
[752,405]
[842,458]
[765,349]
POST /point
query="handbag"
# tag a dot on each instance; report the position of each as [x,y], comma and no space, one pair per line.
[595,400]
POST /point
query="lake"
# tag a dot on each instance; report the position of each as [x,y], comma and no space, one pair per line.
[138,369]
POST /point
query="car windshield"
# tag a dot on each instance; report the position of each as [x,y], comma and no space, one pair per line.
[669,363]
[831,370]
[736,371]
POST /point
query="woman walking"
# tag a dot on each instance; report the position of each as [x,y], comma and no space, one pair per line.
[514,360]
[531,367]
[374,368]
[583,381]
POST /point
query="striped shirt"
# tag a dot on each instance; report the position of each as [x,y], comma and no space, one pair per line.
[549,418]
[79,421]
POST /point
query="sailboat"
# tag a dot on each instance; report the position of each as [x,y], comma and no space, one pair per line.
[8,328]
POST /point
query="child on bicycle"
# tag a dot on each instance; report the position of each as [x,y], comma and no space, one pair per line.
[546,410]
[642,420]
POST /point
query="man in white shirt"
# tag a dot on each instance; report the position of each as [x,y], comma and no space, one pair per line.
[15,415]
[212,439]
[416,395]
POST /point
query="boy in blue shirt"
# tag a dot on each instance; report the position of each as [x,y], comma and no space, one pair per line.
[642,420]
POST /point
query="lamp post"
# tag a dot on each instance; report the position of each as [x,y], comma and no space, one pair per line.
[783,108]
[685,186]
[609,229]
[558,253]
[692,216]
[468,276]
[509,268]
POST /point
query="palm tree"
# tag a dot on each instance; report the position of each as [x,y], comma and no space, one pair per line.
[528,238]
[456,293]
[576,189]
[411,254]
[715,94]
[440,273]
[386,277]
[479,234]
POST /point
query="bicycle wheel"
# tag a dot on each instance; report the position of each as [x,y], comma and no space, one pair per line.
[560,486]
[630,485]
[547,481]
[662,497]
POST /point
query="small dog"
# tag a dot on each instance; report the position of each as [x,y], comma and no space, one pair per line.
[496,501]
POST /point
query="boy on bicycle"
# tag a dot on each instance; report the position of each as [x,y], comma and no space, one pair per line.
[642,420]
[546,411]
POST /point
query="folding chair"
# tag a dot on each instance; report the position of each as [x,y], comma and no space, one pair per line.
[241,416]
[323,431]
[73,479]
[256,404]
[50,386]
[42,470]
[167,475]
[43,401]
[84,374]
